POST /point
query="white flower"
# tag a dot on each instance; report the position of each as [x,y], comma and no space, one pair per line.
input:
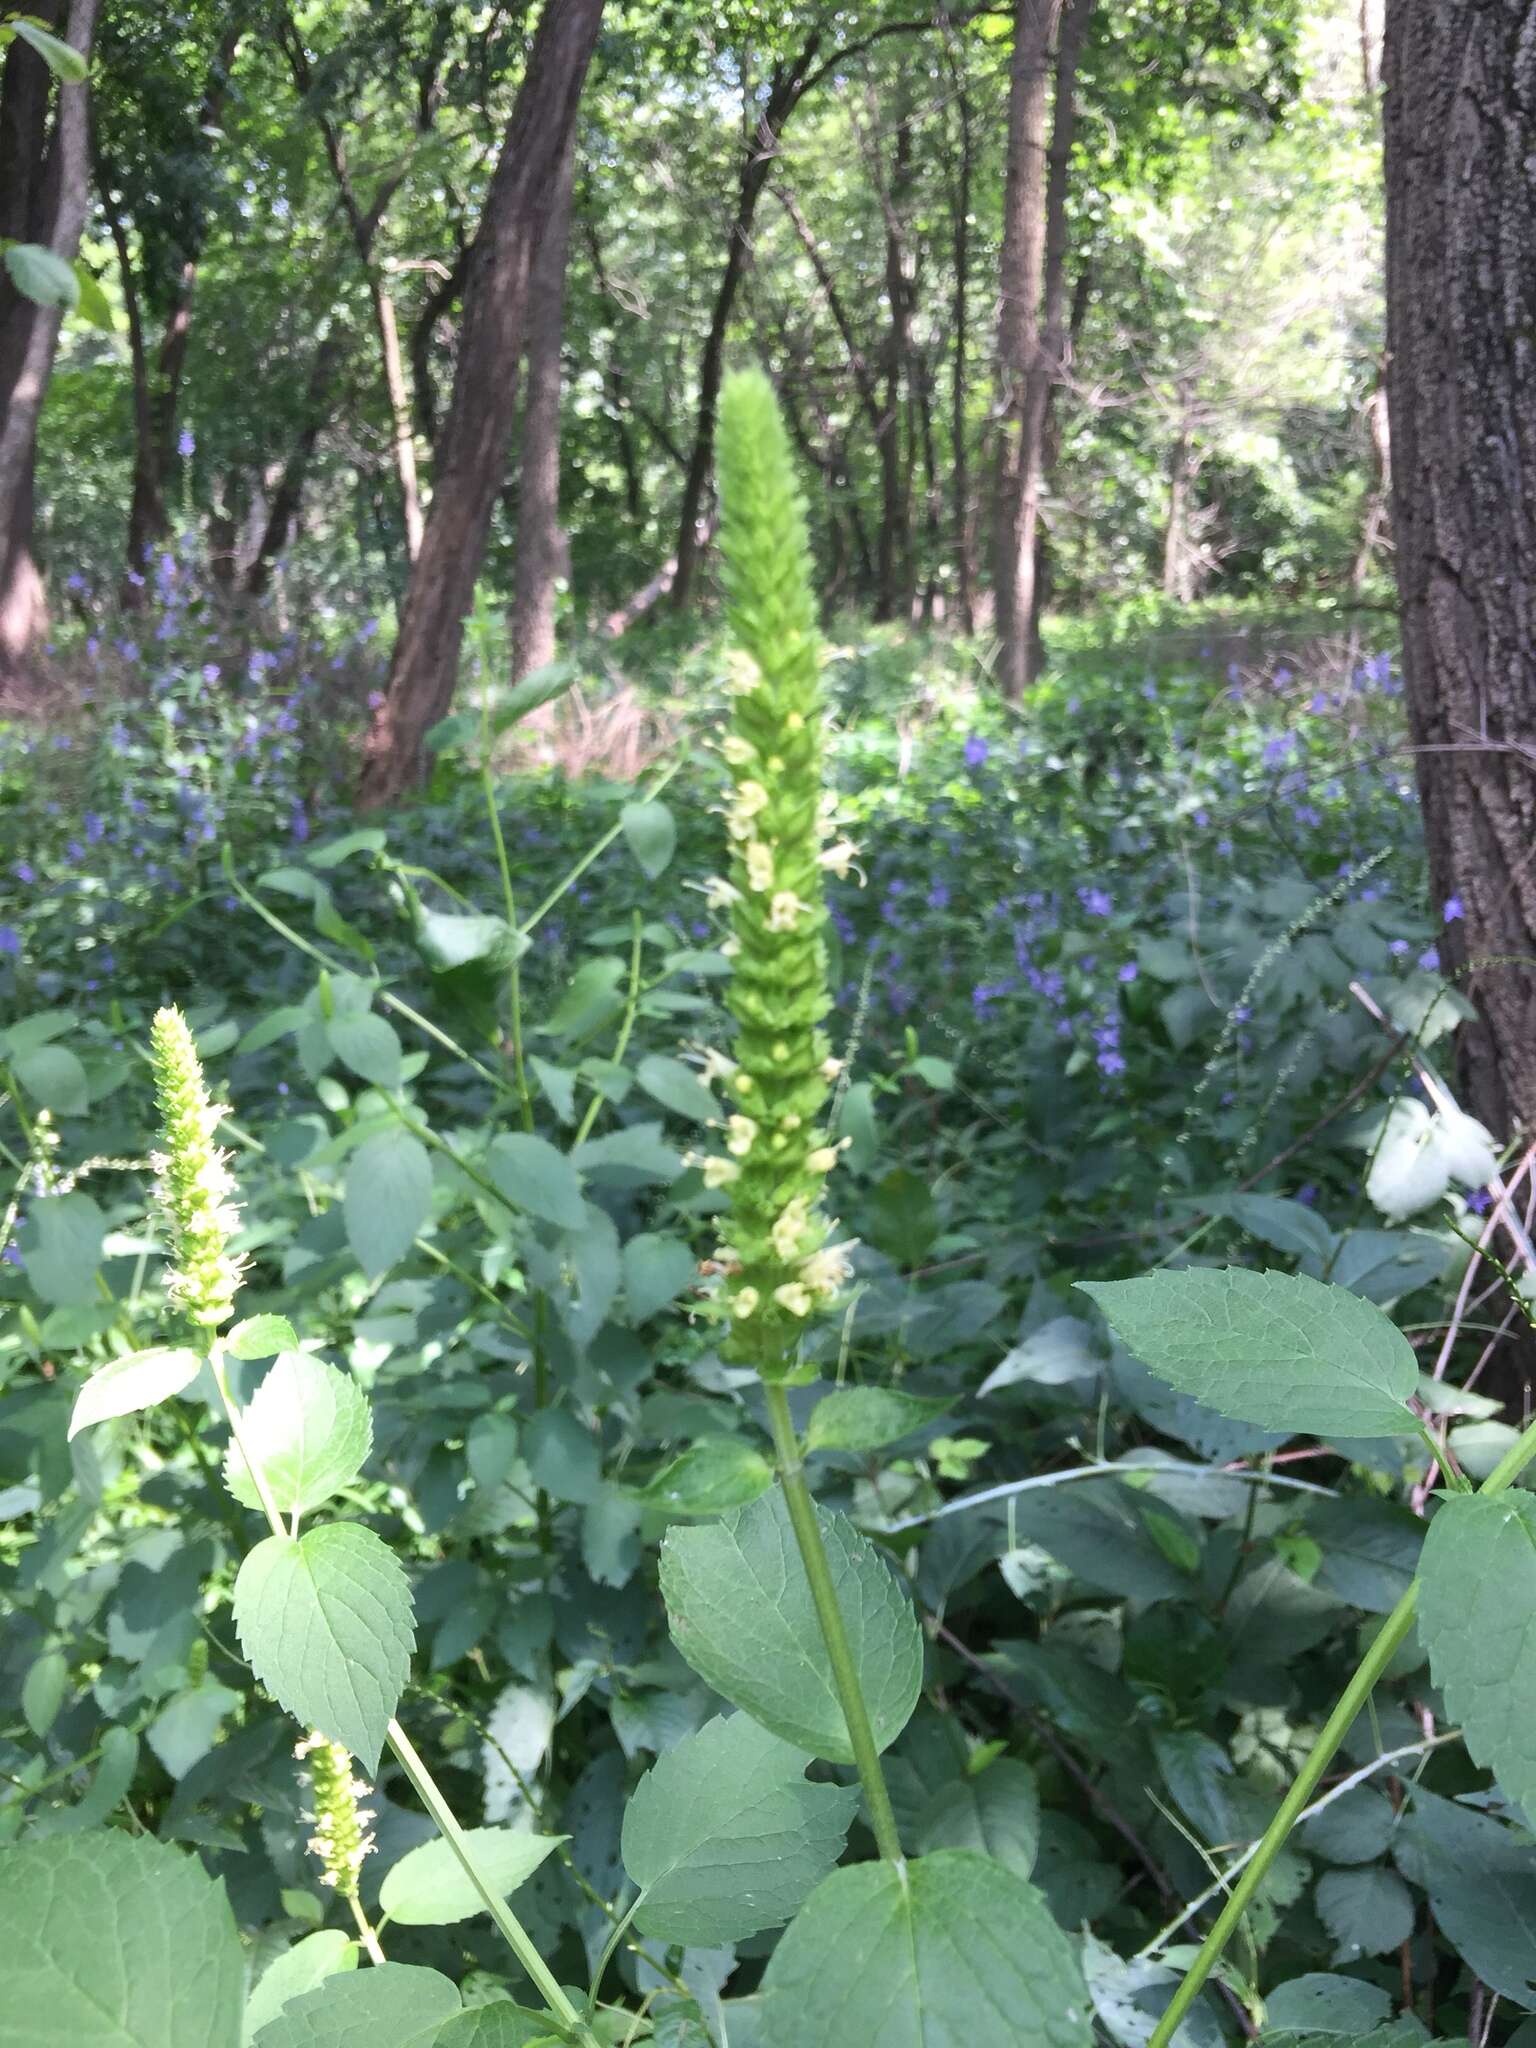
[831,1067]
[824,1272]
[784,911]
[1466,1148]
[759,860]
[715,1066]
[790,1227]
[736,750]
[742,1131]
[742,674]
[719,1173]
[718,893]
[743,1302]
[794,1296]
[751,797]
[840,858]
[822,1160]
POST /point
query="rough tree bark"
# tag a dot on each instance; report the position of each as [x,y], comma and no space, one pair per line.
[1032,326]
[540,545]
[471,447]
[44,196]
[961,531]
[1461,308]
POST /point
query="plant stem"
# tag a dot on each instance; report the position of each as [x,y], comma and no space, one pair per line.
[845,1676]
[1358,1691]
[511,1927]
[1334,1730]
[365,1933]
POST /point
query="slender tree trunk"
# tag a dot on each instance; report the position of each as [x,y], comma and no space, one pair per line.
[283,511]
[962,537]
[472,446]
[789,83]
[892,598]
[1461,308]
[44,196]
[541,551]
[1375,523]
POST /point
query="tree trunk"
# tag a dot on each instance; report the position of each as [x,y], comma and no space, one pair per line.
[1375,523]
[541,550]
[44,195]
[961,532]
[1180,572]
[892,597]
[1461,307]
[762,148]
[472,446]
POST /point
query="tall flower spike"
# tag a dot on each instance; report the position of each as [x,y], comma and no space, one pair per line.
[194,1188]
[779,1155]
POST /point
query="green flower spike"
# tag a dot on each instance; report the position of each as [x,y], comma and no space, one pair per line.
[195,1186]
[780,1261]
[341,1839]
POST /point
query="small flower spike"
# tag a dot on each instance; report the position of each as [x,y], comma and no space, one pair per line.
[195,1187]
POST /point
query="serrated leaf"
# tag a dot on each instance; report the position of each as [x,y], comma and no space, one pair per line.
[1278,1350]
[501,2024]
[1482,1889]
[716,1473]
[308,1429]
[117,1941]
[1476,1599]
[326,1624]
[740,1610]
[535,1177]
[142,1379]
[996,1813]
[299,1969]
[865,1418]
[388,1197]
[428,1887]
[61,1243]
[367,1044]
[393,2005]
[261,1337]
[954,1949]
[651,834]
[724,1836]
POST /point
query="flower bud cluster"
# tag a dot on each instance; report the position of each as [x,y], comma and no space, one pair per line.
[780,1262]
[341,1840]
[195,1187]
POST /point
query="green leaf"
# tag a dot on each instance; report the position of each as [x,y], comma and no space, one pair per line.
[591,1001]
[1482,1889]
[299,1969]
[428,1886]
[501,2024]
[535,1177]
[61,1247]
[326,1624]
[864,1418]
[261,1337]
[115,1941]
[450,939]
[1476,1599]
[393,2005]
[724,1836]
[955,1949]
[651,832]
[183,1732]
[1322,2004]
[62,59]
[39,275]
[388,1197]
[565,1459]
[1287,1226]
[309,1430]
[368,1045]
[53,1076]
[716,1473]
[656,1270]
[539,686]
[142,1379]
[740,1610]
[1368,1911]
[996,1813]
[676,1086]
[42,1690]
[1274,1349]
[93,305]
